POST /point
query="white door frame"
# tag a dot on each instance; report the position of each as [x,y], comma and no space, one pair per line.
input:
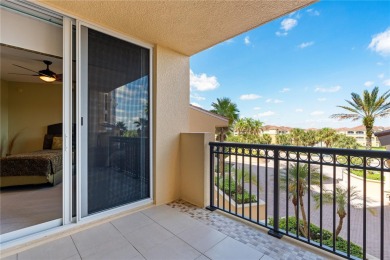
[82,121]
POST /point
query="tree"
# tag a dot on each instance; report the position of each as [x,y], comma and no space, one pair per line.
[328,136]
[296,135]
[122,127]
[142,126]
[341,202]
[225,107]
[298,187]
[267,138]
[248,125]
[284,139]
[367,109]
[347,142]
[310,138]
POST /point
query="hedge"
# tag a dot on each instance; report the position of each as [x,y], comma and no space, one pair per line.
[327,236]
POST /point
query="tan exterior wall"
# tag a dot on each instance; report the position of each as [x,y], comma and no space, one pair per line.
[170,106]
[31,108]
[3,116]
[203,122]
[195,165]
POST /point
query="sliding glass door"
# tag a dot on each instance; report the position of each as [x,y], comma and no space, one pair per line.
[114,94]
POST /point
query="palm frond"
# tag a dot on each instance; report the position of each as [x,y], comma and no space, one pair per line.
[346,116]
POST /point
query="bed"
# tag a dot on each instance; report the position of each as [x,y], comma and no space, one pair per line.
[39,167]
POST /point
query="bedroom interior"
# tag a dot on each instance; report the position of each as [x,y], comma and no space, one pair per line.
[41,102]
[31,131]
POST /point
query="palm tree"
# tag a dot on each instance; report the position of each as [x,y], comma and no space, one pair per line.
[368,109]
[341,202]
[225,107]
[310,138]
[298,187]
[328,136]
[267,138]
[296,135]
[284,139]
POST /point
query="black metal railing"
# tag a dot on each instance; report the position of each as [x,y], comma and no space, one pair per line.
[334,199]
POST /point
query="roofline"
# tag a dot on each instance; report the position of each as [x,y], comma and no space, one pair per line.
[209,113]
[382,133]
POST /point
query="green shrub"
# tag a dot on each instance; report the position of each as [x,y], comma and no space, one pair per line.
[315,235]
[371,175]
[233,190]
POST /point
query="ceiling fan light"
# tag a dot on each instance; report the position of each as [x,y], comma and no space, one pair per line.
[47,78]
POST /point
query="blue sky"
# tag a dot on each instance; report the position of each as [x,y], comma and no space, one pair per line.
[295,70]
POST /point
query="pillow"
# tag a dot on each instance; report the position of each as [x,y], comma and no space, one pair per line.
[57,143]
[47,141]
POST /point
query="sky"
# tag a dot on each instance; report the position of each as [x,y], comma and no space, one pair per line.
[294,71]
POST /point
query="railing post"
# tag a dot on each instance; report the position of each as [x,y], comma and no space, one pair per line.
[211,206]
[275,231]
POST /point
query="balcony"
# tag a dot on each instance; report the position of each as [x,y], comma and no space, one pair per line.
[237,230]
[177,230]
[339,196]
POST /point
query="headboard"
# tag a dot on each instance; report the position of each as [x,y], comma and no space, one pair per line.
[55,129]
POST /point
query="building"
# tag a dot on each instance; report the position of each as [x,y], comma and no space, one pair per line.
[359,133]
[274,131]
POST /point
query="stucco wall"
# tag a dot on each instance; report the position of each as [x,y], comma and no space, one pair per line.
[170,106]
[31,108]
[200,121]
[195,168]
[3,116]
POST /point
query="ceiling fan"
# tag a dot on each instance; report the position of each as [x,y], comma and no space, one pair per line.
[46,74]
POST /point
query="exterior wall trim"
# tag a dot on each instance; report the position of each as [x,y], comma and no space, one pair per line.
[209,113]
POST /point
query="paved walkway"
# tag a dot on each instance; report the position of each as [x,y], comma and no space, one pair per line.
[175,231]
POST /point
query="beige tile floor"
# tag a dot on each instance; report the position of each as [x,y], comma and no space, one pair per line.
[163,232]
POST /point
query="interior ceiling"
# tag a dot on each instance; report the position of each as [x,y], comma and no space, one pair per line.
[28,59]
[187,27]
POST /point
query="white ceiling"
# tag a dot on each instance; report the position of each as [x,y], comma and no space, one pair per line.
[27,59]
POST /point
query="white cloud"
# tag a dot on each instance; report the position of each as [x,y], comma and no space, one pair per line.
[330,90]
[284,90]
[197,97]
[281,34]
[380,43]
[202,82]
[288,23]
[247,41]
[268,113]
[368,83]
[256,108]
[299,110]
[381,76]
[305,44]
[249,97]
[196,104]
[321,99]
[317,113]
[275,101]
[386,82]
[313,12]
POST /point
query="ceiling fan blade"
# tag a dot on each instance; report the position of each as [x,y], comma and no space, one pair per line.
[36,75]
[26,68]
[59,77]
